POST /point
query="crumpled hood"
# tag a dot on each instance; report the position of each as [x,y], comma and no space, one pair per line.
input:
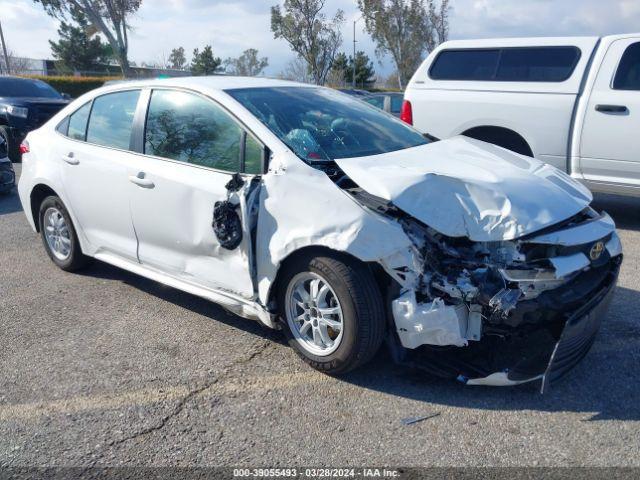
[463,187]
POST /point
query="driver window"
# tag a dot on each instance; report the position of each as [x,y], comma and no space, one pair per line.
[189,128]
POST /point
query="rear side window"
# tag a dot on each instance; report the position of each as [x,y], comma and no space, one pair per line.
[465,65]
[111,119]
[628,74]
[189,128]
[529,64]
[78,122]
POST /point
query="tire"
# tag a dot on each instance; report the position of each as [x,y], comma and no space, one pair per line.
[353,290]
[12,148]
[52,209]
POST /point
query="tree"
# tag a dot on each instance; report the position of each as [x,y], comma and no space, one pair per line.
[109,17]
[406,29]
[177,59]
[338,75]
[315,39]
[365,73]
[76,51]
[247,65]
[343,70]
[297,70]
[204,63]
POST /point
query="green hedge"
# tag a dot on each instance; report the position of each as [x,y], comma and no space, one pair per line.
[74,86]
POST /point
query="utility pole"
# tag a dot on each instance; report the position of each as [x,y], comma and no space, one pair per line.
[4,49]
[353,79]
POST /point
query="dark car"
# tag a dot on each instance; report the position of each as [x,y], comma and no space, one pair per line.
[7,175]
[25,104]
[354,92]
[389,102]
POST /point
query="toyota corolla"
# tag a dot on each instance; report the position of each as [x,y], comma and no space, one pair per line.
[320,215]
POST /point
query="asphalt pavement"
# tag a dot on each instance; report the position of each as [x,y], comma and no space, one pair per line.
[106,368]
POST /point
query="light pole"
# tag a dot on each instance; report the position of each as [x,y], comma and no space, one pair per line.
[353,79]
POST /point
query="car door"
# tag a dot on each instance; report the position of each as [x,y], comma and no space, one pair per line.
[192,151]
[95,158]
[609,149]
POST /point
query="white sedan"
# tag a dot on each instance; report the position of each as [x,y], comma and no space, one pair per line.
[316,213]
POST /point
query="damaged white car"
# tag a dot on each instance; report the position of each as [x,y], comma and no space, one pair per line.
[316,213]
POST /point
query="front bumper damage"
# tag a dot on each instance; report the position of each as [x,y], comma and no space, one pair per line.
[511,312]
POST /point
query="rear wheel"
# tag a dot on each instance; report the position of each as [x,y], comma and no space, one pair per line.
[333,312]
[59,235]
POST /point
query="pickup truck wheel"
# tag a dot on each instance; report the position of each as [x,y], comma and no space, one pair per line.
[59,235]
[333,312]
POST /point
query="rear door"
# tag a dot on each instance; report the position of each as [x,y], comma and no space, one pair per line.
[95,158]
[192,152]
[609,147]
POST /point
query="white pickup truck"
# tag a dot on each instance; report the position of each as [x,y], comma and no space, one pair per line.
[571,102]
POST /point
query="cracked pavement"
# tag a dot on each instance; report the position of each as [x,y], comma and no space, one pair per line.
[107,368]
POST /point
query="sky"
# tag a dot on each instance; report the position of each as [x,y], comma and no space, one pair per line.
[232,26]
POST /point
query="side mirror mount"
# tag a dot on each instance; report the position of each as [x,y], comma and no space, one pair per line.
[66,96]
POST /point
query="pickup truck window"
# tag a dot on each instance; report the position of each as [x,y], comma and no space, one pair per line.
[628,74]
[526,64]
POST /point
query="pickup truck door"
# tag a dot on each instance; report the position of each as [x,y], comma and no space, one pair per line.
[609,146]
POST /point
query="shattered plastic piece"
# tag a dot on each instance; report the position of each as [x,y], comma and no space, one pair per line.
[505,300]
[227,225]
[429,323]
[412,420]
[499,379]
[474,325]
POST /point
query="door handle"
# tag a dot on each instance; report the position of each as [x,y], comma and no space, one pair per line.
[612,109]
[141,181]
[70,159]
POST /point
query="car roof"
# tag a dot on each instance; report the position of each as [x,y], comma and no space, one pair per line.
[214,82]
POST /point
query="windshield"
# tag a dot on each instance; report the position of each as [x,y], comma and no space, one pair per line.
[322,124]
[20,87]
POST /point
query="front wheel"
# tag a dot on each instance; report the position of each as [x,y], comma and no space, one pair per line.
[333,312]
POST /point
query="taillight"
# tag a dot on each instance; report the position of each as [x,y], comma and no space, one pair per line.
[24,147]
[406,113]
